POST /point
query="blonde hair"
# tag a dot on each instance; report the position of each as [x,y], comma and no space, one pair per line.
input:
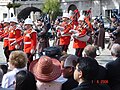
[18,59]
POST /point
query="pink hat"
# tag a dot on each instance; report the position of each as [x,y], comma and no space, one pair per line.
[46,69]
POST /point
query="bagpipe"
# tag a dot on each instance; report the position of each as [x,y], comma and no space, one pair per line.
[72,22]
[116,15]
[87,24]
[45,18]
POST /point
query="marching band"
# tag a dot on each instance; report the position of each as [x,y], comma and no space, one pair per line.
[72,26]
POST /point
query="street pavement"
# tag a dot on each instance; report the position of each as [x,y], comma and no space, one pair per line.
[2,56]
[102,59]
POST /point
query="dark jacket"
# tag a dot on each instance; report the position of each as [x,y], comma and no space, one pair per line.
[102,73]
[87,86]
[69,84]
[113,74]
[92,86]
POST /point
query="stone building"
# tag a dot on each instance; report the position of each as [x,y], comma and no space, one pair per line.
[98,6]
[4,10]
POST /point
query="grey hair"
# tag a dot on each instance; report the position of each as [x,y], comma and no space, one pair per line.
[90,51]
[115,50]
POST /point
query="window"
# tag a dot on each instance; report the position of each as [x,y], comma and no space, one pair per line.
[4,15]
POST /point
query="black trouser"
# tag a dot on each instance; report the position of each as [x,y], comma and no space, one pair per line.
[64,48]
[79,52]
[30,59]
[6,52]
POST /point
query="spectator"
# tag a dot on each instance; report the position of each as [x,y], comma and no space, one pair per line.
[4,68]
[62,59]
[46,70]
[90,51]
[1,75]
[68,71]
[86,71]
[17,60]
[113,68]
[25,80]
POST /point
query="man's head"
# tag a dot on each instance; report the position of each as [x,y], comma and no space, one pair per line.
[86,69]
[115,50]
[68,65]
[65,17]
[89,51]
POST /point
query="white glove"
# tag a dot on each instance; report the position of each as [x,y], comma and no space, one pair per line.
[59,27]
[75,35]
[32,51]
[73,31]
[17,46]
[62,33]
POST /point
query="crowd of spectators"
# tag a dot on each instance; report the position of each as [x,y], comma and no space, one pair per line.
[68,73]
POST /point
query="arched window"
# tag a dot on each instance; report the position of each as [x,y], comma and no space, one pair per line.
[72,7]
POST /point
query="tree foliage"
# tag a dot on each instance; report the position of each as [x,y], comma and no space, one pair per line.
[9,5]
[52,7]
[13,5]
[16,5]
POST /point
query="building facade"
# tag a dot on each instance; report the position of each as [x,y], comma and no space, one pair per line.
[97,6]
[4,11]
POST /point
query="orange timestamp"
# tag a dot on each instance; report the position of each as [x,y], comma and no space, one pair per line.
[100,81]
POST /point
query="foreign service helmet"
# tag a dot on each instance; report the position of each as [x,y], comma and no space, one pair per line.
[71,13]
[6,20]
[81,18]
[28,21]
[66,15]
[14,19]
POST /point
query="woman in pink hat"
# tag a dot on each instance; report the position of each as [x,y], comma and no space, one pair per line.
[46,71]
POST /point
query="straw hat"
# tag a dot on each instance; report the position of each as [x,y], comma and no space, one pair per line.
[46,69]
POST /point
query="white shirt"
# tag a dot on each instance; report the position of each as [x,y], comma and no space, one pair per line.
[61,79]
[53,85]
[9,78]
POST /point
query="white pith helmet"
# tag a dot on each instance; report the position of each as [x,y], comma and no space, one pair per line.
[6,20]
[81,18]
[14,19]
[71,13]
[66,15]
[28,21]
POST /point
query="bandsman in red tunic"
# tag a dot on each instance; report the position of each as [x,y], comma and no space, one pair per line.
[14,34]
[6,25]
[65,34]
[79,32]
[29,39]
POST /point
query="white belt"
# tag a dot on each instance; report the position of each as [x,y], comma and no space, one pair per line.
[66,35]
[11,39]
[27,42]
[6,38]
